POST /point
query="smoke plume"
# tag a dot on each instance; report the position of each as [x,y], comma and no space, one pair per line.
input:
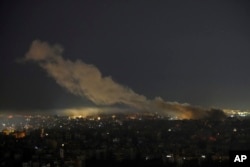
[86,80]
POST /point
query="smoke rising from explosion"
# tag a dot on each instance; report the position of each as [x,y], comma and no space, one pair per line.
[87,81]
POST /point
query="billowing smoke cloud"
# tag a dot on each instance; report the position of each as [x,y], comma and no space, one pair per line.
[187,111]
[86,80]
[80,78]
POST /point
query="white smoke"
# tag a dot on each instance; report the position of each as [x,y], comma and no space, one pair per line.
[86,80]
[80,78]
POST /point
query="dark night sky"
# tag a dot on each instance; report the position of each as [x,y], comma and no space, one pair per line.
[195,52]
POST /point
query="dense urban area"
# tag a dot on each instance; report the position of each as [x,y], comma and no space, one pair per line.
[119,140]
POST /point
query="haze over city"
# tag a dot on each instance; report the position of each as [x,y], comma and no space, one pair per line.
[176,57]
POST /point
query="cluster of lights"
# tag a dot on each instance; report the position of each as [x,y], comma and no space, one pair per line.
[233,113]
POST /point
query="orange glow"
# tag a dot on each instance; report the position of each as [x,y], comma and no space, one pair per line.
[6,132]
[19,135]
[186,115]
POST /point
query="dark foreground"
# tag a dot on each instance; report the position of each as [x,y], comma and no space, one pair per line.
[54,141]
